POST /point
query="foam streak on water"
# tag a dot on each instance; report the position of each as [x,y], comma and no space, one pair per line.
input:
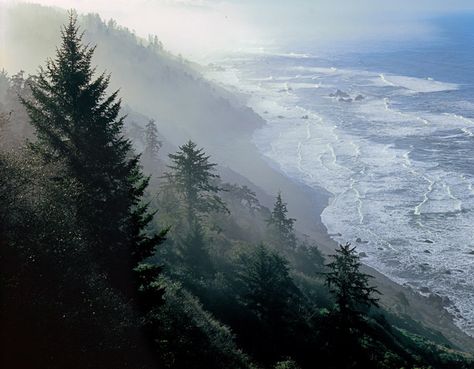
[390,150]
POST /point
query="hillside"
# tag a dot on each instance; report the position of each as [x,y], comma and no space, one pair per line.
[157,85]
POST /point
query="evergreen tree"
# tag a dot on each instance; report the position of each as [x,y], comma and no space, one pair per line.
[308,259]
[152,144]
[349,285]
[266,290]
[345,331]
[78,126]
[194,253]
[282,224]
[267,285]
[193,177]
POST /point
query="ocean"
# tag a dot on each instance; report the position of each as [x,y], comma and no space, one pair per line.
[388,131]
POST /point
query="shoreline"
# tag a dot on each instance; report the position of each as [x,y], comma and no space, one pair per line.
[306,205]
[231,145]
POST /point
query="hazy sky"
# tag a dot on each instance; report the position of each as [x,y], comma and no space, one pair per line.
[197,27]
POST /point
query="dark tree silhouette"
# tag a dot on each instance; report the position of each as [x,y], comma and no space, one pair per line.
[268,292]
[152,143]
[349,286]
[194,253]
[282,224]
[346,327]
[78,126]
[194,179]
[268,287]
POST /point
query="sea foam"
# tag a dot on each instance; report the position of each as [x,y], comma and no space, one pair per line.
[399,192]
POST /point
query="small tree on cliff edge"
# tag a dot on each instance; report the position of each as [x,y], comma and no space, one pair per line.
[349,286]
[282,224]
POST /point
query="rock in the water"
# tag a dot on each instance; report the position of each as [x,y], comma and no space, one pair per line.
[427,252]
[362,255]
[305,117]
[440,301]
[424,290]
[359,98]
[425,266]
[342,99]
[428,241]
[447,301]
[358,240]
[339,93]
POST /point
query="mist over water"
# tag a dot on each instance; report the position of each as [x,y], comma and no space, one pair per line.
[390,134]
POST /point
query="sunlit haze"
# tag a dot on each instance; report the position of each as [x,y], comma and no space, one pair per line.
[199,27]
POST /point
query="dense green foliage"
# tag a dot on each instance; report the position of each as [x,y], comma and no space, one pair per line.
[88,279]
[349,285]
[191,177]
[80,242]
[78,127]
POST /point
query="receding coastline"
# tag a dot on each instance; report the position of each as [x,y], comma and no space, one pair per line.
[306,205]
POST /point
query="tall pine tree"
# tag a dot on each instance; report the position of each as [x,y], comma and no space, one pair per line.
[266,290]
[78,126]
[349,286]
[152,142]
[282,224]
[346,327]
[193,178]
